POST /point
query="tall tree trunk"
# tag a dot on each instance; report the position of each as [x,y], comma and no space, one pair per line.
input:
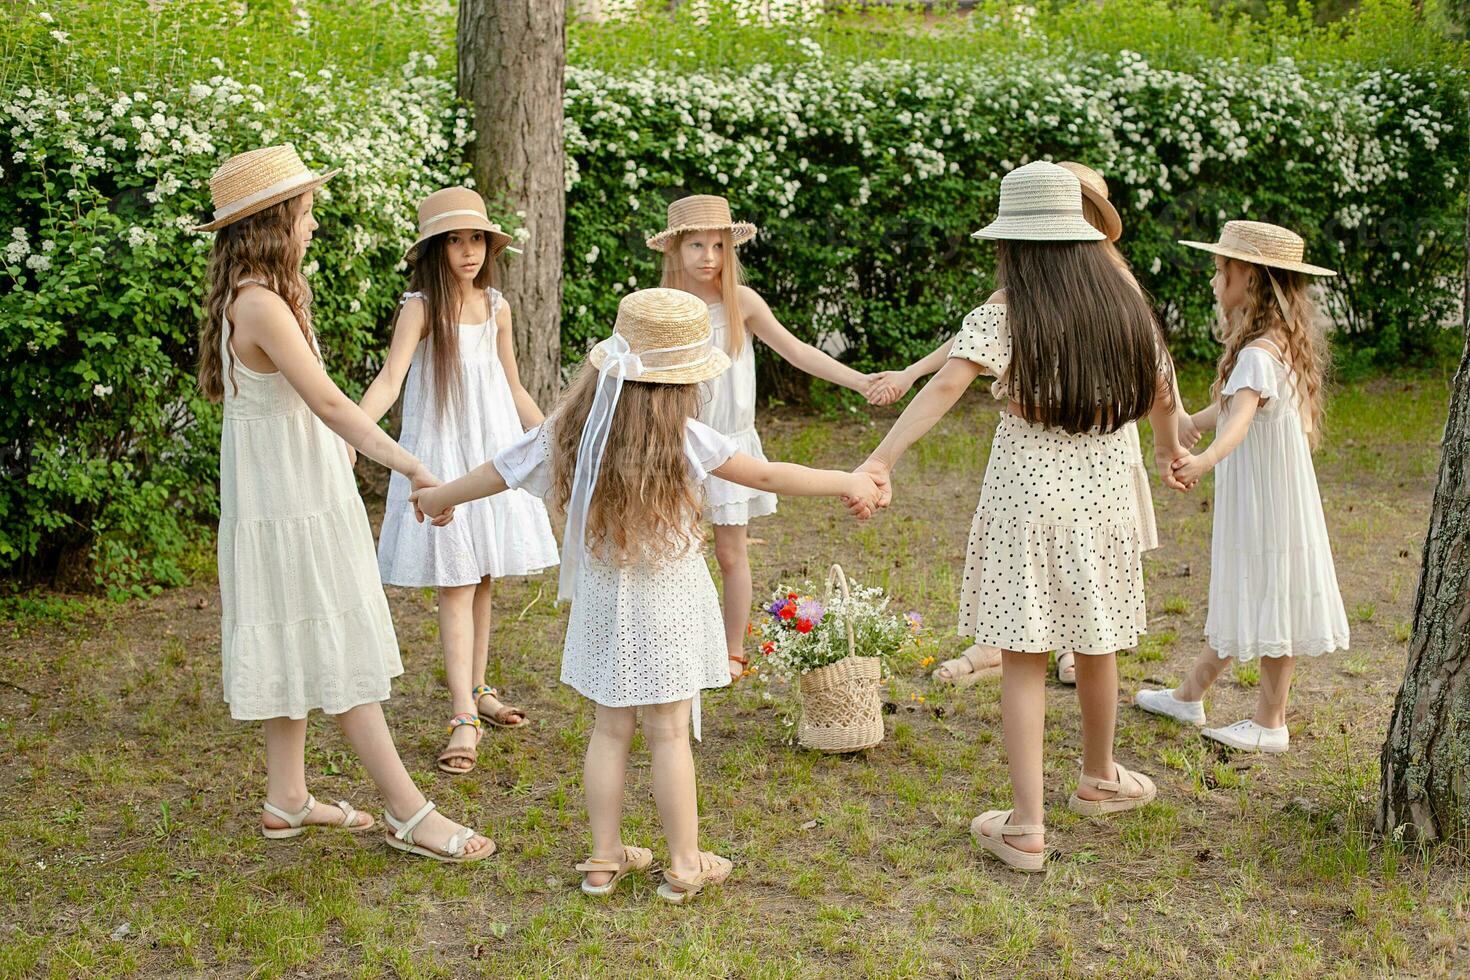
[512,63]
[1426,757]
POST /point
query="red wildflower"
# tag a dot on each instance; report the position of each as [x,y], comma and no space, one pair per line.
[788,611]
[768,648]
[803,626]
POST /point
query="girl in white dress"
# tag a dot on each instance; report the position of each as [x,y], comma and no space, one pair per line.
[304,622]
[1273,588]
[699,257]
[979,660]
[463,402]
[625,457]
[1054,557]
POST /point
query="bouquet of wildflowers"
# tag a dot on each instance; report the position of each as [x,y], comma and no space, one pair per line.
[801,633]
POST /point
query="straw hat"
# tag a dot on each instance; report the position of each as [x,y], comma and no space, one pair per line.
[456,209]
[701,212]
[670,330]
[1040,202]
[1095,189]
[254,180]
[1262,244]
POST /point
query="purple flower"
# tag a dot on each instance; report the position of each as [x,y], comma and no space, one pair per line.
[915,620]
[811,609]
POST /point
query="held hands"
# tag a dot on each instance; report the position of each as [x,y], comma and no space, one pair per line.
[428,499]
[884,387]
[861,506]
[1188,469]
[1164,460]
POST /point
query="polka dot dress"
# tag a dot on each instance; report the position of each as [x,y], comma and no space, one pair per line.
[1053,561]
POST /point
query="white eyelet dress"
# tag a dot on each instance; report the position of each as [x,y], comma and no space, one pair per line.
[303,620]
[729,409]
[1273,587]
[647,633]
[508,534]
[1054,554]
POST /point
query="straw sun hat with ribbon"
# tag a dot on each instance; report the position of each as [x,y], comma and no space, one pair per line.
[456,209]
[1095,189]
[701,212]
[252,181]
[662,336]
[1271,246]
[1040,202]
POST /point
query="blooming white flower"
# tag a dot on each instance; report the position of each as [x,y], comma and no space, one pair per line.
[101,390]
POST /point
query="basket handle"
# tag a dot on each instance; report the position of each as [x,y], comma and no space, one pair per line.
[835,574]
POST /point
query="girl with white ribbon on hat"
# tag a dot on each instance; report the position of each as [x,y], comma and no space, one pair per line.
[453,357]
[1054,559]
[698,247]
[625,456]
[1273,587]
[304,622]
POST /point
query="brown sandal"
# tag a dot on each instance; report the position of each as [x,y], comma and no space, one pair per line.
[634,859]
[744,663]
[1013,856]
[470,752]
[497,718]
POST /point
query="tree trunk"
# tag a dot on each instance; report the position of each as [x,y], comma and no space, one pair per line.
[1426,757]
[512,62]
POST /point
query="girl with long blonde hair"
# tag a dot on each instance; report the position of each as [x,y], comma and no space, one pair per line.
[1273,587]
[625,457]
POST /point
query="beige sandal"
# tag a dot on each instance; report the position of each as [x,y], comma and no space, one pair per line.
[1067,668]
[1132,789]
[497,718]
[965,669]
[713,870]
[1013,856]
[402,839]
[634,859]
[464,719]
[297,825]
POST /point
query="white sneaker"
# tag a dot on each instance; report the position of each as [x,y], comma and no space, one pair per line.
[1247,736]
[1166,704]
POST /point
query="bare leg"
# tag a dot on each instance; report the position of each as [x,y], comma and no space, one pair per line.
[1204,672]
[1097,699]
[1275,686]
[368,732]
[666,727]
[734,560]
[488,705]
[1023,714]
[457,636]
[603,778]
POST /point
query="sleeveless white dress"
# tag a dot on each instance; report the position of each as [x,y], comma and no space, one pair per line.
[1273,587]
[507,534]
[303,620]
[729,409]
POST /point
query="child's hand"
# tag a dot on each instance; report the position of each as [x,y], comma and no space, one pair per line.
[436,510]
[1189,432]
[887,387]
[1189,468]
[863,496]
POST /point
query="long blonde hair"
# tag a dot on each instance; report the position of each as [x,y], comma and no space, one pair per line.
[644,507]
[1303,345]
[731,277]
[264,247]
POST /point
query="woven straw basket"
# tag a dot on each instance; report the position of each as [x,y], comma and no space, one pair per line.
[841,708]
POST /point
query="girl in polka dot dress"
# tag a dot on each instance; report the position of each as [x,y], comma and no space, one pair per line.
[625,456]
[1054,555]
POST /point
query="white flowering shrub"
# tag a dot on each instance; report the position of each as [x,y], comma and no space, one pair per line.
[867,179]
[108,445]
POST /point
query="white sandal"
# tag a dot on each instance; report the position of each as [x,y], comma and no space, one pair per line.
[1013,856]
[963,670]
[1063,668]
[297,825]
[1132,790]
[402,839]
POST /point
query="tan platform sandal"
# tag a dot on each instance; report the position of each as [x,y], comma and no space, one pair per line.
[966,669]
[634,859]
[498,718]
[1067,668]
[1132,790]
[402,839]
[713,870]
[464,719]
[297,825]
[1014,857]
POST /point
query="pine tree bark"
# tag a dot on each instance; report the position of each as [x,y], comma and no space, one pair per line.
[1426,756]
[512,64]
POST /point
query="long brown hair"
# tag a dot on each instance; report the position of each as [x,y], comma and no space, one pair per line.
[1304,346]
[1085,349]
[644,506]
[732,275]
[262,246]
[433,277]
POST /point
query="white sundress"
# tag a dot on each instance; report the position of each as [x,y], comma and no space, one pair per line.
[507,534]
[729,409]
[1273,587]
[304,623]
[639,633]
[1053,561]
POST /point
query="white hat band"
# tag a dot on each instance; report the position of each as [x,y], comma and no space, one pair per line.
[280,186]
